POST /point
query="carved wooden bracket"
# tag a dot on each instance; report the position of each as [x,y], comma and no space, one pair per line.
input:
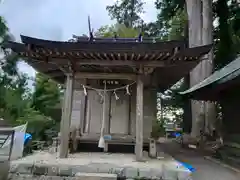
[148,70]
[144,70]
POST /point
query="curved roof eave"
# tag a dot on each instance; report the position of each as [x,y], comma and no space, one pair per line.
[227,73]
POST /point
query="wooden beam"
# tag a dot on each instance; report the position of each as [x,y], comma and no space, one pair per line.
[109,63]
[139,119]
[121,63]
[66,117]
[103,62]
[129,76]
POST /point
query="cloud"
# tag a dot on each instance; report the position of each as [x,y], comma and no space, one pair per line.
[53,19]
[58,19]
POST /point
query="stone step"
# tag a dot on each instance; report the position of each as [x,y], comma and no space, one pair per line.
[95,176]
[34,177]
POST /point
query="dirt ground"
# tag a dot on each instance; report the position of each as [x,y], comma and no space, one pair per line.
[205,169]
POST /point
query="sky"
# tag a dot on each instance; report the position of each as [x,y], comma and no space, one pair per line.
[58,19]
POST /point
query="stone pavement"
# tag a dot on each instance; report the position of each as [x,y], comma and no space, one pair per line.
[205,169]
[123,165]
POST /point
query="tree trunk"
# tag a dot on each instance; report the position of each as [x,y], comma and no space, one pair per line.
[187,111]
[194,10]
[195,22]
[207,38]
[187,116]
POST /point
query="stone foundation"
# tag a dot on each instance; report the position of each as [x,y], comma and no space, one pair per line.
[120,165]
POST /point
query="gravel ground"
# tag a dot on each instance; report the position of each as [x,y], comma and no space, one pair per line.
[205,169]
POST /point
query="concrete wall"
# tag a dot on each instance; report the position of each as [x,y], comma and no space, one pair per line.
[120,114]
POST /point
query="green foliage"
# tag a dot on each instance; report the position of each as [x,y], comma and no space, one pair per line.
[17,104]
[171,21]
[224,53]
[172,103]
[46,95]
[37,122]
[46,107]
[12,83]
[227,33]
[119,29]
[158,129]
[178,25]
[173,99]
[168,9]
[3,27]
[127,12]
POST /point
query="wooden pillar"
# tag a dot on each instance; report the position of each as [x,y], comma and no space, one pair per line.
[88,116]
[83,108]
[66,117]
[83,114]
[139,120]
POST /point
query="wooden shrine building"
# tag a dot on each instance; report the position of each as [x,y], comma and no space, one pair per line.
[111,83]
[223,86]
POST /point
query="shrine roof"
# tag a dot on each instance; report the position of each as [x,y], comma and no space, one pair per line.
[121,55]
[101,49]
[212,87]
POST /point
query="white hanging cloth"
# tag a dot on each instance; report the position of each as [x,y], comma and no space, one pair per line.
[101,143]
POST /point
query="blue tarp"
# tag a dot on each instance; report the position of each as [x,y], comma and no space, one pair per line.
[176,134]
[188,166]
[27,137]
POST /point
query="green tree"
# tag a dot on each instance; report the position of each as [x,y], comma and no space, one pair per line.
[15,97]
[178,25]
[224,53]
[119,29]
[3,28]
[228,32]
[168,9]
[46,96]
[12,83]
[38,123]
[127,12]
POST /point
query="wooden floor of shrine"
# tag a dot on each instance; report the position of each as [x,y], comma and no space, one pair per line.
[118,143]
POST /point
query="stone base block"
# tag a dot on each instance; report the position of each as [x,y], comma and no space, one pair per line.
[4,168]
[95,176]
[152,148]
